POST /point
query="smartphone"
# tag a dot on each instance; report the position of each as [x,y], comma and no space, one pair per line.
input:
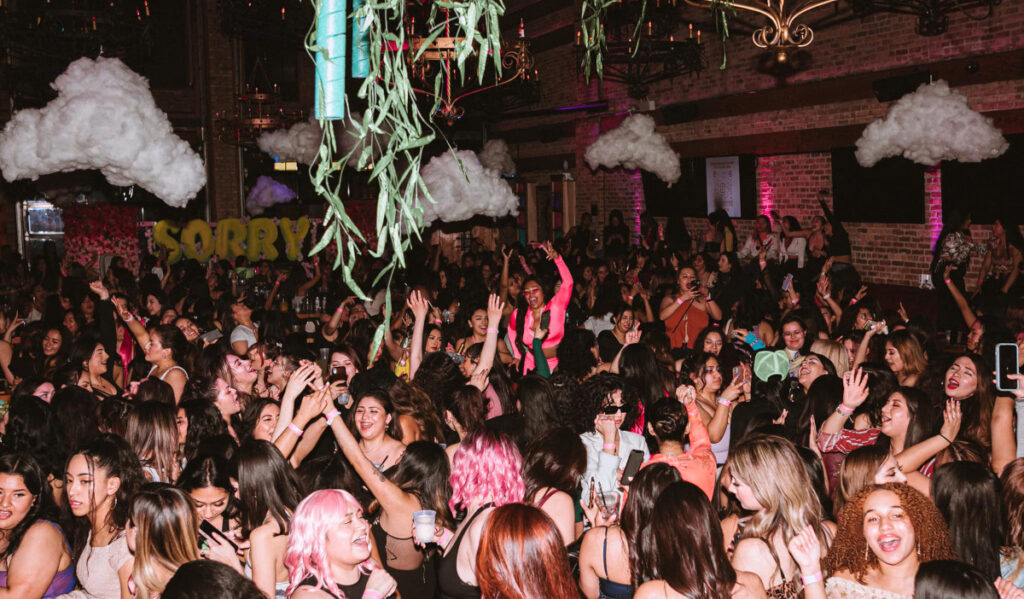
[211,336]
[1007,360]
[633,462]
[786,282]
[338,373]
[212,531]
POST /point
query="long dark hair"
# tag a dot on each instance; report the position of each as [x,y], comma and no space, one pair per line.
[538,408]
[19,464]
[687,525]
[951,579]
[267,484]
[556,460]
[204,422]
[644,491]
[425,472]
[210,471]
[969,497]
[113,455]
[173,339]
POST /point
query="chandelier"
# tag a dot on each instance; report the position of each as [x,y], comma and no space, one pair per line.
[648,41]
[932,15]
[40,37]
[257,109]
[782,33]
[438,57]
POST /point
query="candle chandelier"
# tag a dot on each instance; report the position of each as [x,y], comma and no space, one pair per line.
[257,110]
[429,58]
[648,41]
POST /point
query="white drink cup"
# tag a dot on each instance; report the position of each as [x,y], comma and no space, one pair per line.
[423,526]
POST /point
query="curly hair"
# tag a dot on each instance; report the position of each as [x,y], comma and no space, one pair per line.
[486,464]
[589,398]
[849,549]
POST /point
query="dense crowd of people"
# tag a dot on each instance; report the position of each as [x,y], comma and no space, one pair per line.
[680,414]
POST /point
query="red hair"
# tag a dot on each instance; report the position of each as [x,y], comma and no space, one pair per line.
[521,556]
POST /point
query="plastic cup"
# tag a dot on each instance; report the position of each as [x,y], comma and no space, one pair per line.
[423,526]
[609,504]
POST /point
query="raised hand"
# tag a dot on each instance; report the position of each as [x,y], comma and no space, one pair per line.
[549,250]
[100,289]
[806,551]
[855,388]
[495,308]
[951,418]
[418,304]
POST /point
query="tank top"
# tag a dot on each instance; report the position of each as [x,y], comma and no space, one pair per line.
[405,562]
[449,584]
[166,372]
[63,581]
[350,591]
[609,589]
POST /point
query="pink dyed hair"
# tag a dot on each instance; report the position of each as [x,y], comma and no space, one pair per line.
[306,555]
[487,465]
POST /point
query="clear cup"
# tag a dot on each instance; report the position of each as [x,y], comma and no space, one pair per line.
[423,526]
[608,502]
[325,353]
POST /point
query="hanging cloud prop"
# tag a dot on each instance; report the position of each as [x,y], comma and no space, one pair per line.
[496,155]
[479,192]
[298,143]
[634,144]
[266,193]
[928,126]
[301,142]
[104,117]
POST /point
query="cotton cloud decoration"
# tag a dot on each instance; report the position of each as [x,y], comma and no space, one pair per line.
[479,192]
[634,144]
[928,126]
[104,117]
[298,143]
[266,193]
[495,155]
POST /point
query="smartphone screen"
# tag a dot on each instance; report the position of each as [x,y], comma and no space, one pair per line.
[212,531]
[636,458]
[1006,364]
[338,373]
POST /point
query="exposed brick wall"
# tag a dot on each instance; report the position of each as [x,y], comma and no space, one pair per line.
[223,187]
[787,183]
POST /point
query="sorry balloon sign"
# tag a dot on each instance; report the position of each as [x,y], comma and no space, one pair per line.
[260,238]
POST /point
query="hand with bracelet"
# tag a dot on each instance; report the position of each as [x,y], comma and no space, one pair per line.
[806,551]
[951,420]
[855,392]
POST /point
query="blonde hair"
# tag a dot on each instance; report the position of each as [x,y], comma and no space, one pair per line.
[166,536]
[777,476]
[856,472]
[835,352]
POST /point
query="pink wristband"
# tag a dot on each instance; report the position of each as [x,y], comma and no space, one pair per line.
[724,402]
[298,431]
[608,446]
[948,281]
[845,411]
[331,416]
[372,594]
[813,578]
[437,321]
[492,330]
[679,301]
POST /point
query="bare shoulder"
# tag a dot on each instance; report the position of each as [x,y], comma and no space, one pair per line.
[308,593]
[748,586]
[654,589]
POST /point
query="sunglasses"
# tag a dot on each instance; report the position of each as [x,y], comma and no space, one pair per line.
[532,291]
[612,410]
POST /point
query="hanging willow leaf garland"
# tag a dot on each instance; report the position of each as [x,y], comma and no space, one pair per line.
[392,131]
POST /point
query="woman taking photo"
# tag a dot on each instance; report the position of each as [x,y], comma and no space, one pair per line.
[715,403]
[100,482]
[163,535]
[165,348]
[610,342]
[686,311]
[329,553]
[27,538]
[688,526]
[608,554]
[884,534]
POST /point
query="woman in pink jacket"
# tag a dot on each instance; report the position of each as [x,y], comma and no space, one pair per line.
[537,325]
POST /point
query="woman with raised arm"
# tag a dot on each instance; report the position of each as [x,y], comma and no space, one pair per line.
[687,310]
[535,314]
[419,482]
[165,346]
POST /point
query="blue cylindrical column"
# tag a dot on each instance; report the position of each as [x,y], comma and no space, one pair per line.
[360,46]
[331,29]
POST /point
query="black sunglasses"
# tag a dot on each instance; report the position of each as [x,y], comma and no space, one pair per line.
[611,410]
